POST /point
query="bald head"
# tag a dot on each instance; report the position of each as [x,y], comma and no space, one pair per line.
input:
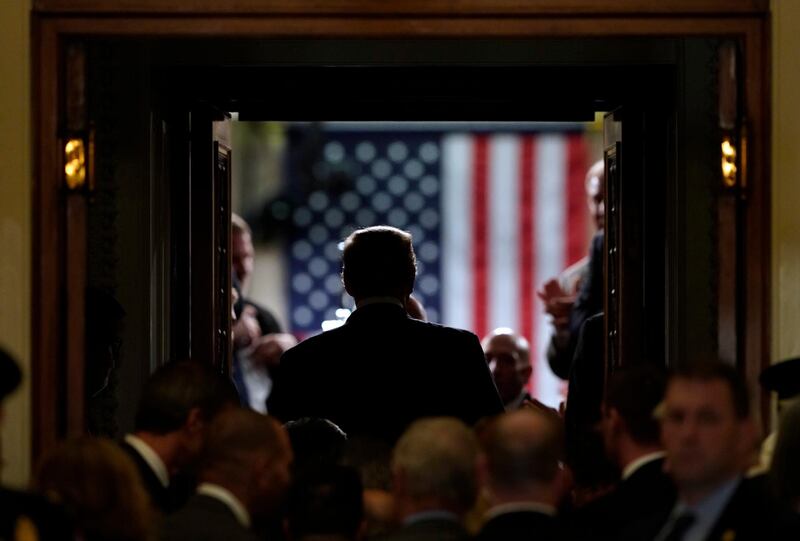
[508,356]
[250,455]
[595,186]
[523,448]
[238,433]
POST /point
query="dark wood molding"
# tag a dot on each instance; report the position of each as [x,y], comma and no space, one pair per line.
[47,244]
[401,27]
[445,8]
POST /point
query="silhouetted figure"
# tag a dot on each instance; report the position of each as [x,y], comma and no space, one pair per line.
[326,505]
[381,370]
[318,444]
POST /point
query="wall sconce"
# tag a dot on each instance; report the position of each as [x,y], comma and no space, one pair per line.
[75,163]
[79,161]
[729,169]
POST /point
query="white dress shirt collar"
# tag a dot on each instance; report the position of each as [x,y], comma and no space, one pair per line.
[516,507]
[226,496]
[150,457]
[637,464]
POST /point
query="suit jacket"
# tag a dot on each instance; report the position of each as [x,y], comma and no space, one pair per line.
[750,515]
[164,499]
[382,370]
[646,492]
[434,529]
[520,525]
[584,444]
[205,519]
[159,494]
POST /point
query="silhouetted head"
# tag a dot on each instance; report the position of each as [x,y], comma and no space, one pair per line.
[379,262]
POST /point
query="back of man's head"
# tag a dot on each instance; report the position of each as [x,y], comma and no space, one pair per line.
[174,390]
[379,261]
[326,504]
[317,443]
[249,454]
[523,450]
[436,460]
[238,433]
[635,393]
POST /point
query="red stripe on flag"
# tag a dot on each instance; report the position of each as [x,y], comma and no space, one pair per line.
[526,255]
[480,234]
[577,216]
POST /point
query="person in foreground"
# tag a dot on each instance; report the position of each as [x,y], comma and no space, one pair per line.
[708,436]
[524,481]
[434,480]
[243,480]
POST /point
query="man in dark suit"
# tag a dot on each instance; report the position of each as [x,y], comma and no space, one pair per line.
[243,479]
[708,436]
[177,404]
[524,481]
[632,442]
[509,357]
[434,480]
[381,370]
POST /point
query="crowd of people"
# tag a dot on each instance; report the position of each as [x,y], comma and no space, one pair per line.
[393,428]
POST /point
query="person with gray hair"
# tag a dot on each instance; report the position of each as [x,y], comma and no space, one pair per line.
[524,481]
[435,479]
[244,478]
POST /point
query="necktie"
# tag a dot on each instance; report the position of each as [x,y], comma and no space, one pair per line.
[680,525]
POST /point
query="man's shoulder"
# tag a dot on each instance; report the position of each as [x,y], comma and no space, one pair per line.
[204,517]
[441,330]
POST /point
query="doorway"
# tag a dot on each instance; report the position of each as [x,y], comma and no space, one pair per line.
[664,87]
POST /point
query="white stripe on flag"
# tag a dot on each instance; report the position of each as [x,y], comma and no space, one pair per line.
[551,228]
[503,232]
[457,244]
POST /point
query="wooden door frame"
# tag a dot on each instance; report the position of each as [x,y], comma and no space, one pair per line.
[56,22]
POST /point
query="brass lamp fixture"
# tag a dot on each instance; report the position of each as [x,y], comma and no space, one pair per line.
[78,161]
[729,168]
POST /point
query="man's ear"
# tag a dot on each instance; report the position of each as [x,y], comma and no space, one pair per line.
[526,373]
[616,424]
[194,421]
[346,284]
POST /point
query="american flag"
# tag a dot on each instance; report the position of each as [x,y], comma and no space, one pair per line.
[492,215]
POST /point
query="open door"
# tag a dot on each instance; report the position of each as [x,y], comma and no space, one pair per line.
[636,155]
[210,237]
